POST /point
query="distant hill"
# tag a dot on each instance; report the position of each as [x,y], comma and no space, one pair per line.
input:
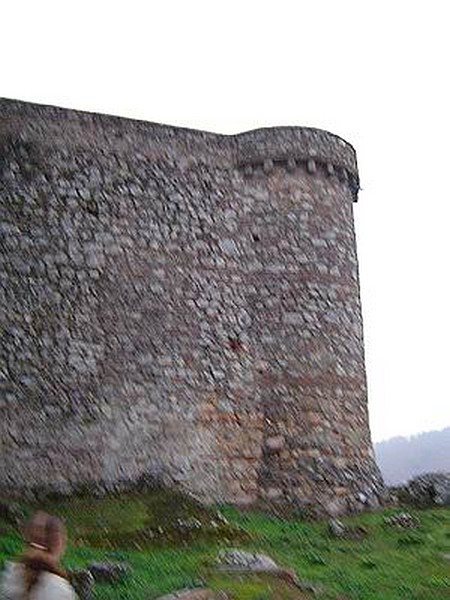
[401,458]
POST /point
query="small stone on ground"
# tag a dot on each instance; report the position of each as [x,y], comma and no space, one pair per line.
[338,529]
[108,572]
[195,594]
[241,560]
[404,520]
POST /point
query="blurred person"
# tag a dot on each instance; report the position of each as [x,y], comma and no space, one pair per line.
[38,575]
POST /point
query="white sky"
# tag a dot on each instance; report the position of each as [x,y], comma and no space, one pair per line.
[376,73]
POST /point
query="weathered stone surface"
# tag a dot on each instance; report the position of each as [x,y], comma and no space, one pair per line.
[275,443]
[431,489]
[169,306]
[108,572]
[82,582]
[338,529]
[195,594]
[242,560]
[403,520]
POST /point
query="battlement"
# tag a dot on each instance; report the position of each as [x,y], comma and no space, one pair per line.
[293,147]
[314,150]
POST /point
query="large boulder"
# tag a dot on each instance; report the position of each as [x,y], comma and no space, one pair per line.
[432,489]
[243,561]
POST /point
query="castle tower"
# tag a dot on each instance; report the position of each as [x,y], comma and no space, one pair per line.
[182,305]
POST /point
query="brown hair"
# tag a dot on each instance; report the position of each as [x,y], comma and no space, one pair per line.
[45,536]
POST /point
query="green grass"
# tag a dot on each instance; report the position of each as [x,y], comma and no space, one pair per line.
[144,530]
[254,587]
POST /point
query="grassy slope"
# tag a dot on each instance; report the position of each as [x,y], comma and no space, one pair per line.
[142,529]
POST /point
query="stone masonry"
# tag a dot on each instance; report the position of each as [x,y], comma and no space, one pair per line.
[182,305]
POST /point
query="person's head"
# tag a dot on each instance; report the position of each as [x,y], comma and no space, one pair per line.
[45,534]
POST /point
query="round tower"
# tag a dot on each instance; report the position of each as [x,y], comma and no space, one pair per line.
[307,327]
[183,306]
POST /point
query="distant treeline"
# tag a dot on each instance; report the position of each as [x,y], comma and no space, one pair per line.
[401,458]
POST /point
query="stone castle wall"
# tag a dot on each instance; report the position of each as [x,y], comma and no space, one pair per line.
[181,304]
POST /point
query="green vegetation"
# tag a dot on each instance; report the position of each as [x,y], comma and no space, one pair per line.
[171,542]
[254,587]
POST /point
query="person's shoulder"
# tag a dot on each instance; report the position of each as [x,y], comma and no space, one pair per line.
[55,587]
[11,580]
[12,568]
[49,587]
[11,571]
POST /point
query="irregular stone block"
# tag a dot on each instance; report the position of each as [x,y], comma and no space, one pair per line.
[195,594]
[275,443]
[82,582]
[427,490]
[402,520]
[242,560]
[108,572]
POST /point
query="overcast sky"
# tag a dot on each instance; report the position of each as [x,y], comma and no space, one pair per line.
[376,73]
